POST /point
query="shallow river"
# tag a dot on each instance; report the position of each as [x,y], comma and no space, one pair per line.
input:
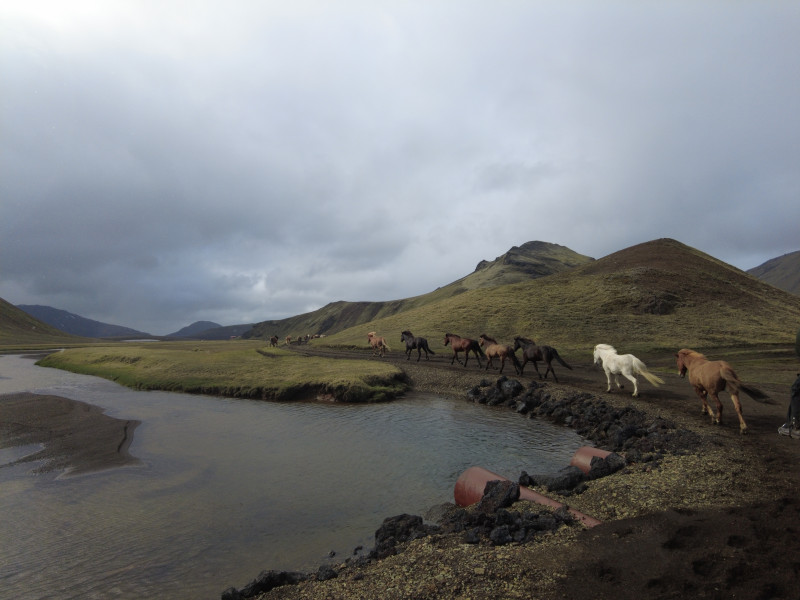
[227,488]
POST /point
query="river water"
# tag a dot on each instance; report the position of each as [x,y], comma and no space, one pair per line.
[227,488]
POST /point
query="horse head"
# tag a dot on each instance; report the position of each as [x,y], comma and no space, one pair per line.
[681,360]
[598,360]
[521,342]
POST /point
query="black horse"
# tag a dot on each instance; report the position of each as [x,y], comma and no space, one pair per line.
[531,352]
[415,343]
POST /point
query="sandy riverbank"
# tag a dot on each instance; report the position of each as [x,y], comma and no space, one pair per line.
[75,437]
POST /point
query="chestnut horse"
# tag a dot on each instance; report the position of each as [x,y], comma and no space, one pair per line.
[465,345]
[709,378]
[415,343]
[273,341]
[496,350]
[533,353]
[377,343]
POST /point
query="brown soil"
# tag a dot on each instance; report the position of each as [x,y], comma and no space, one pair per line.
[720,523]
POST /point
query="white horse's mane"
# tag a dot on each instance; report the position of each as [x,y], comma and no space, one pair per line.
[607,347]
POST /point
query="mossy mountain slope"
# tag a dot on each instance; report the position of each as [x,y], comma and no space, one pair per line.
[656,295]
[19,328]
[521,263]
[783,272]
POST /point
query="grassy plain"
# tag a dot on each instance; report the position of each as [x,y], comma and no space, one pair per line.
[237,368]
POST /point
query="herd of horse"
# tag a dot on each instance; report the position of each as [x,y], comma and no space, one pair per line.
[707,377]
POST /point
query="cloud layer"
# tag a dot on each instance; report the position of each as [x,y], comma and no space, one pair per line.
[167,162]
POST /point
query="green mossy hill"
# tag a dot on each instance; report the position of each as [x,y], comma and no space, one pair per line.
[235,369]
[531,260]
[19,330]
[660,295]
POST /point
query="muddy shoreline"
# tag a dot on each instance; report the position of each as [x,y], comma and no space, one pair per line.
[718,521]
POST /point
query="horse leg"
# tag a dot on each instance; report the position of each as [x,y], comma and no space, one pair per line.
[524,362]
[550,369]
[738,408]
[631,377]
[536,366]
[478,358]
[608,380]
[715,397]
[705,409]
[502,363]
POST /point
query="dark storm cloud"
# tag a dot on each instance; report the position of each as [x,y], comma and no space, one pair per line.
[163,163]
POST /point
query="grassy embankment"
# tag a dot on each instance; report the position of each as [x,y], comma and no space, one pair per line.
[244,369]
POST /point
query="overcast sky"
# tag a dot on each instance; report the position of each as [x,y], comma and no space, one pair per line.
[164,162]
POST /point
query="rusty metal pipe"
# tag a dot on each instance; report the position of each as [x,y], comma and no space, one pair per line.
[470,485]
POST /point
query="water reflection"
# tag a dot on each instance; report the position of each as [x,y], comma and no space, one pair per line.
[227,488]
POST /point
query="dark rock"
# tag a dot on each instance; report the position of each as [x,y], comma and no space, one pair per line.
[473,536]
[498,494]
[602,467]
[500,535]
[326,572]
[396,530]
[526,480]
[566,479]
[510,388]
[266,581]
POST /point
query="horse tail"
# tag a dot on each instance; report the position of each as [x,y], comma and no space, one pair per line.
[561,360]
[729,375]
[642,370]
[428,348]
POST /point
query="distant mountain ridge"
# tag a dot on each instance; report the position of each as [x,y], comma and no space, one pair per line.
[783,272]
[628,280]
[19,327]
[529,261]
[194,329]
[77,325]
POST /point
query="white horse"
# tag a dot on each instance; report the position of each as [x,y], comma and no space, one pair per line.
[626,365]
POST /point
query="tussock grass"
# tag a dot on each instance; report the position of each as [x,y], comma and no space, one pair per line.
[245,369]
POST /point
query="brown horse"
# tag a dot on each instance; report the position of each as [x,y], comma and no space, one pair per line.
[465,345]
[493,349]
[377,343]
[288,340]
[273,341]
[533,353]
[710,377]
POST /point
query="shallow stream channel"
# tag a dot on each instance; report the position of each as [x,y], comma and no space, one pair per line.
[226,488]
